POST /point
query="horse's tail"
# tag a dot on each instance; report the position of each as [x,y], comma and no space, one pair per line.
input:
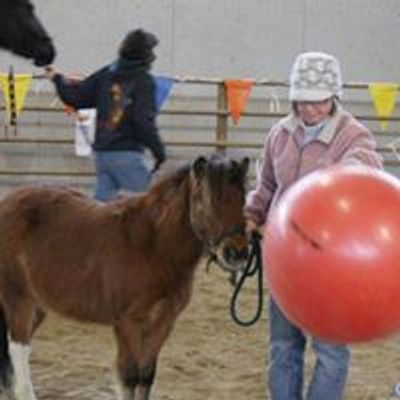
[6,370]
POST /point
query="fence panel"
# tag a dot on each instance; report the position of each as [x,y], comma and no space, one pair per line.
[41,149]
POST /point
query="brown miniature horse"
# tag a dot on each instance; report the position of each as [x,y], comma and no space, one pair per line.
[129,264]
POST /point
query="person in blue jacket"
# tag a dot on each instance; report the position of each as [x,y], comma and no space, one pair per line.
[124,95]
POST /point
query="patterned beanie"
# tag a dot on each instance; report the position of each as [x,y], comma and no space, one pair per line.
[315,77]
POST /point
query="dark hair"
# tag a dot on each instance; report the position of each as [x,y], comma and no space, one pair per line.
[138,44]
[335,101]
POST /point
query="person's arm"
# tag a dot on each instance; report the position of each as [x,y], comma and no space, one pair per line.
[78,94]
[362,150]
[145,119]
[258,200]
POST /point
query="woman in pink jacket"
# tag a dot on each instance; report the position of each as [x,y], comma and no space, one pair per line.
[318,133]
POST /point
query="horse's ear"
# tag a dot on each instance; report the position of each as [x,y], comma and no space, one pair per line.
[239,169]
[244,165]
[199,167]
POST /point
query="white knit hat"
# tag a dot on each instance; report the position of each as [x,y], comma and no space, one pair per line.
[315,77]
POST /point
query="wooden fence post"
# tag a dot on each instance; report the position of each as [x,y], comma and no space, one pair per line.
[222,117]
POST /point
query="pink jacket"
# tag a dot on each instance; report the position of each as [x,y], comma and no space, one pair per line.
[286,160]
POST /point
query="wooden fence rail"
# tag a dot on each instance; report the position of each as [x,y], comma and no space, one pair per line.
[220,141]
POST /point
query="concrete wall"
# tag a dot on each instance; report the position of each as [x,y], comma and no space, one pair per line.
[223,38]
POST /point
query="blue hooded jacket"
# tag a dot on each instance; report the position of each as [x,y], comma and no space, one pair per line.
[123,94]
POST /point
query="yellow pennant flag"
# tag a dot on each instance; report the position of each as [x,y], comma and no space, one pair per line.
[384,96]
[22,83]
[238,92]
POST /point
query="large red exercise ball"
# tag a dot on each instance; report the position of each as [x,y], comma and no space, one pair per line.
[331,254]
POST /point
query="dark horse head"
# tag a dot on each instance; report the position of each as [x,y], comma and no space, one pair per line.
[23,34]
[217,200]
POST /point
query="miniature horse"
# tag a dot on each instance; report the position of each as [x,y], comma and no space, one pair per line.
[23,34]
[129,264]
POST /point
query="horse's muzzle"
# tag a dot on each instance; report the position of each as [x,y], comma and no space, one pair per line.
[45,54]
[233,255]
[233,251]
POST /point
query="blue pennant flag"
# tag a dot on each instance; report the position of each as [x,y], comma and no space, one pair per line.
[164,86]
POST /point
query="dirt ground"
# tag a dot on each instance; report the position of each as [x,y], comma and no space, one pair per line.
[208,357]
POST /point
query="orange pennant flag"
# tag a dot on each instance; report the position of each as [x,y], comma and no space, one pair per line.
[238,92]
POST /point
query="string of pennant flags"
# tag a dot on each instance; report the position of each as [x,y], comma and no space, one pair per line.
[15,88]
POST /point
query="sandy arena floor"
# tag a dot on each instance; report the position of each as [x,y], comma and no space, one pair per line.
[207,357]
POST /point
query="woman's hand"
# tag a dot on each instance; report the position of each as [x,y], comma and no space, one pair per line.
[253,228]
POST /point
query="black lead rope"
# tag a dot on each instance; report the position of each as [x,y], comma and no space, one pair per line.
[255,254]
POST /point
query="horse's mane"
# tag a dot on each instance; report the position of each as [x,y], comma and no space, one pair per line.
[169,195]
[170,180]
[160,189]
[222,171]
[166,200]
[219,171]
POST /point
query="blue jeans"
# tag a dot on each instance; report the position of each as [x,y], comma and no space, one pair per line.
[119,170]
[287,345]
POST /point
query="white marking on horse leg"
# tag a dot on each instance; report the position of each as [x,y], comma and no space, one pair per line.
[121,391]
[20,359]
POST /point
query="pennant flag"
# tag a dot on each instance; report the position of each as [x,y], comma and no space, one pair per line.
[15,91]
[238,92]
[384,96]
[163,88]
